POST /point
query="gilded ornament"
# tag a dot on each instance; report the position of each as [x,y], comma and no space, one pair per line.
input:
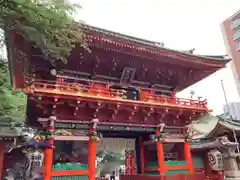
[96,136]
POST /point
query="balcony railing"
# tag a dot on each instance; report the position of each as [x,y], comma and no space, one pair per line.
[105,92]
[196,176]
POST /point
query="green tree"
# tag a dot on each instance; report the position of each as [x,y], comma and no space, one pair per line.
[12,103]
[106,161]
[105,157]
[47,24]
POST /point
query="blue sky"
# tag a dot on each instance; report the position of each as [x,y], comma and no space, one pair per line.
[179,24]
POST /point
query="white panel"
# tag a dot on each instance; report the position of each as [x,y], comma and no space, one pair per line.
[116,144]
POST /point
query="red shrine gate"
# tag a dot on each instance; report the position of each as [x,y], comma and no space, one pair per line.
[132,161]
[129,85]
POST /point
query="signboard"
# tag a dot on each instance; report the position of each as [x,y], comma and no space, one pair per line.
[79,126]
[71,126]
[124,128]
[115,128]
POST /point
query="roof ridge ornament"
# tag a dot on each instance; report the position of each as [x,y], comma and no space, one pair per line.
[190,51]
[159,44]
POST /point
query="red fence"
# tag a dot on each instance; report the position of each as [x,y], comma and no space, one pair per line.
[197,176]
[104,91]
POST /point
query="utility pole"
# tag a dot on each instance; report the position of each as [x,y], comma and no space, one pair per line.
[231,118]
[225,97]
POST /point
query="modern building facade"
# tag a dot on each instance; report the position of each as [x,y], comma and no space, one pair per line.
[231,34]
[232,109]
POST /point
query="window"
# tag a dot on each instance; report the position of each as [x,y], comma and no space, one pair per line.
[236,35]
[238,46]
[235,23]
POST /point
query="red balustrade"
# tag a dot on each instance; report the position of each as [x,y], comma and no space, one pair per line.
[196,176]
[105,92]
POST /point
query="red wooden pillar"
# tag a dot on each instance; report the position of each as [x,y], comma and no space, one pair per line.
[92,150]
[133,163]
[142,161]
[160,155]
[127,162]
[48,153]
[188,157]
[48,163]
[1,159]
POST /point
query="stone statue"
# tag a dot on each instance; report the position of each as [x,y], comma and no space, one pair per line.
[34,164]
[32,150]
[17,172]
[215,159]
[229,157]
[30,170]
[222,156]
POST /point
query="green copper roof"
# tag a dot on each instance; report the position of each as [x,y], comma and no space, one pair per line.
[209,126]
[10,128]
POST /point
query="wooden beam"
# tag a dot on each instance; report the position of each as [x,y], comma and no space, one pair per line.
[71,138]
[168,168]
[167,140]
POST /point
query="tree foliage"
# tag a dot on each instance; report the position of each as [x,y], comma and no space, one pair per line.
[12,103]
[105,157]
[48,24]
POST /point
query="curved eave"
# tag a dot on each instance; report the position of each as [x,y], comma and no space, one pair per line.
[203,144]
[9,135]
[225,57]
[151,44]
[223,126]
[233,16]
[208,140]
[8,132]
